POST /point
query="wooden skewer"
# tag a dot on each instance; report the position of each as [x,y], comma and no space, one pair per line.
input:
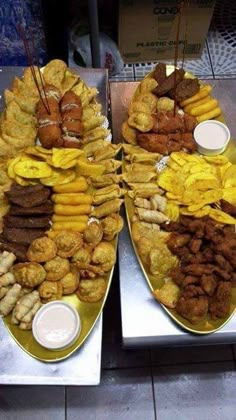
[21,32]
[186,12]
[176,52]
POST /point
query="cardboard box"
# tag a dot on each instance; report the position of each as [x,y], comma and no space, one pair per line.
[147,29]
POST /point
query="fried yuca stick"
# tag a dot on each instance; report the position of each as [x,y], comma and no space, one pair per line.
[72,198]
[63,218]
[78,185]
[76,226]
[72,210]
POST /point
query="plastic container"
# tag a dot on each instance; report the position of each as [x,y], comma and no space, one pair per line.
[211,137]
[56,325]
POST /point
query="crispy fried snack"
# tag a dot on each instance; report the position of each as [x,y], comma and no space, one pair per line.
[54,73]
[57,268]
[24,305]
[83,255]
[91,290]
[93,234]
[50,290]
[107,193]
[111,226]
[29,274]
[168,294]
[70,281]
[105,255]
[9,300]
[107,208]
[129,133]
[141,121]
[68,243]
[42,249]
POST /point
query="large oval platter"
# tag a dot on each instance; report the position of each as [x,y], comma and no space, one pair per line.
[208,325]
[88,312]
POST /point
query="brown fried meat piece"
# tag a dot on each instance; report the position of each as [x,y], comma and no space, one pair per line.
[160,73]
[193,304]
[220,304]
[169,82]
[186,88]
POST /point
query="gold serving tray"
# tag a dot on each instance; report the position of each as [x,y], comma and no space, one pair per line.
[208,325]
[88,312]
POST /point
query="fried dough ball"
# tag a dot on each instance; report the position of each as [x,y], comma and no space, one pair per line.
[57,268]
[93,234]
[29,274]
[142,121]
[83,255]
[91,290]
[111,226]
[49,291]
[68,242]
[105,255]
[42,250]
[70,282]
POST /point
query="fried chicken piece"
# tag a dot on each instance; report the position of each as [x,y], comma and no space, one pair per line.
[111,226]
[195,245]
[190,123]
[167,123]
[156,143]
[173,146]
[223,263]
[208,283]
[193,305]
[93,234]
[68,242]
[186,88]
[105,255]
[198,269]
[188,143]
[177,275]
[42,250]
[169,82]
[177,240]
[194,226]
[190,280]
[220,304]
[228,207]
[56,268]
[159,73]
[29,274]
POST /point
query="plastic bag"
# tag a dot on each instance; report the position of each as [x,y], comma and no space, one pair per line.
[110,55]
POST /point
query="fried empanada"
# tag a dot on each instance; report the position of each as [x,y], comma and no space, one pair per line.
[93,122]
[105,180]
[139,176]
[111,165]
[141,121]
[107,193]
[54,73]
[83,255]
[111,226]
[108,152]
[138,107]
[90,148]
[105,255]
[50,290]
[97,133]
[112,206]
[93,234]
[70,281]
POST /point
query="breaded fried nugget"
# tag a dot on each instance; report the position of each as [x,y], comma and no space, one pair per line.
[29,274]
[104,254]
[42,250]
[91,290]
[68,242]
[56,268]
[54,72]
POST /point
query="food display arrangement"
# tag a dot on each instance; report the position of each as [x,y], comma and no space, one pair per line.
[181,197]
[62,190]
[60,201]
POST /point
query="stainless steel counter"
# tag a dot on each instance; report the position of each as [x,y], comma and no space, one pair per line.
[144,322]
[84,366]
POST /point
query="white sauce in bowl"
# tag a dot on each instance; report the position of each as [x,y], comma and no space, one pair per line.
[56,325]
[211,136]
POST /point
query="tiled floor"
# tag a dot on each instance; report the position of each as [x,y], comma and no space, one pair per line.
[176,383]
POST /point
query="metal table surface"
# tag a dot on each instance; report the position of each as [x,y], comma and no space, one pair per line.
[144,321]
[84,366]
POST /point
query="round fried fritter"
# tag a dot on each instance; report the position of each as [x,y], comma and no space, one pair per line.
[93,234]
[68,242]
[83,255]
[111,226]
[91,290]
[42,250]
[104,254]
[29,274]
[57,268]
[50,290]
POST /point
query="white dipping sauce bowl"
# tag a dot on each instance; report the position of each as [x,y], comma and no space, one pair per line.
[211,137]
[56,325]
